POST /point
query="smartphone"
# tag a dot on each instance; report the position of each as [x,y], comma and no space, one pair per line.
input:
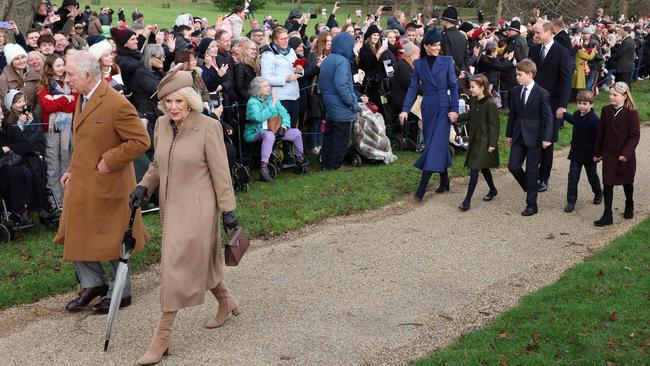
[387,8]
[384,42]
[5,25]
[299,62]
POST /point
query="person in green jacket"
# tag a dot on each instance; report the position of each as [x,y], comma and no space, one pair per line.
[483,152]
[260,107]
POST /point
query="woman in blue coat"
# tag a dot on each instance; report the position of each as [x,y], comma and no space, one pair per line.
[435,77]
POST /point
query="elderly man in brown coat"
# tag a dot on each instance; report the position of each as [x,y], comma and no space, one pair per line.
[109,136]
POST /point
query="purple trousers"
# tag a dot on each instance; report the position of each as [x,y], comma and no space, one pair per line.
[268,139]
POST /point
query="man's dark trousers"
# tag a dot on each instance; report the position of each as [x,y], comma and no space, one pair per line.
[336,140]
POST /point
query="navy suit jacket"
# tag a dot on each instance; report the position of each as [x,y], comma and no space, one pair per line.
[554,74]
[533,123]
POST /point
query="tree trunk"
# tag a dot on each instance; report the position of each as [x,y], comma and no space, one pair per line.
[20,11]
[499,9]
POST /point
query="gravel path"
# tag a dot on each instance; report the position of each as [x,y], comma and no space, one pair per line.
[379,288]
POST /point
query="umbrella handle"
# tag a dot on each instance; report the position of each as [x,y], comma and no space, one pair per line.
[132,218]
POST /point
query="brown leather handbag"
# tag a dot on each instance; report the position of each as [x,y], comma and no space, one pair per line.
[236,247]
[274,123]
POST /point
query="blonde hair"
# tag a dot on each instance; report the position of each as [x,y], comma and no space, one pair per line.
[252,62]
[190,95]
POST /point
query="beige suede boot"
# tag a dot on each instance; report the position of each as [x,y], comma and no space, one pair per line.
[227,305]
[161,341]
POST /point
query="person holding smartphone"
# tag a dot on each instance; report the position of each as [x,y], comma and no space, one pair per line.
[369,61]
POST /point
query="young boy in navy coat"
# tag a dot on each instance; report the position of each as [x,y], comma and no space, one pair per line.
[585,129]
[530,129]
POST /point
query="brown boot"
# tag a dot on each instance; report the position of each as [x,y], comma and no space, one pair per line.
[161,341]
[227,305]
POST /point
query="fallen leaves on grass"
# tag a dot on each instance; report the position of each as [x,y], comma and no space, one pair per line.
[533,344]
[503,335]
[611,344]
[613,316]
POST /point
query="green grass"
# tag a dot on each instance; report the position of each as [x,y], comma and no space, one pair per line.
[155,14]
[597,313]
[32,265]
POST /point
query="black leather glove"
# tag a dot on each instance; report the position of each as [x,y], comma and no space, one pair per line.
[137,196]
[230,221]
[281,131]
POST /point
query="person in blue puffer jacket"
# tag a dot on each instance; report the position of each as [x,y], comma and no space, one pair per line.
[341,102]
[260,108]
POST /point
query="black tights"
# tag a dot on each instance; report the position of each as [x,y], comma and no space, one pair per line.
[424,181]
[473,180]
[608,195]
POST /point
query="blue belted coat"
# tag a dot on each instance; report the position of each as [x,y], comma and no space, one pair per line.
[440,96]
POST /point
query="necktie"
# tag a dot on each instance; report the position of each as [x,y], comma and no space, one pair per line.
[543,52]
[83,102]
[523,97]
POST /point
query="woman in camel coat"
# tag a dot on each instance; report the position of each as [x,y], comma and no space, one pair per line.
[190,168]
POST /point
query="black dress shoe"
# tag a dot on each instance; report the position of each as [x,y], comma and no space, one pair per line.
[569,207]
[490,196]
[86,295]
[605,220]
[103,306]
[464,206]
[543,186]
[598,198]
[529,211]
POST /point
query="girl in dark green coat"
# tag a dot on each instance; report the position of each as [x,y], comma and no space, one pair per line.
[483,152]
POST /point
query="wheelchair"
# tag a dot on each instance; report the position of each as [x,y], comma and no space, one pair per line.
[276,159]
[10,222]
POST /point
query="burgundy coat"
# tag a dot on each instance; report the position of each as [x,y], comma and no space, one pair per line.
[618,136]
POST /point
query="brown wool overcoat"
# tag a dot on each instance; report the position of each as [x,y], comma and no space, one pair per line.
[192,173]
[96,206]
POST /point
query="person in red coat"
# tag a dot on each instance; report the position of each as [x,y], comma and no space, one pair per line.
[57,107]
[618,136]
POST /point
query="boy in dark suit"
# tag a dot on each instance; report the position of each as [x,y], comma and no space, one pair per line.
[585,129]
[529,130]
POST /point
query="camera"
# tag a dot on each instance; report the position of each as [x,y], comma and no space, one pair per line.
[387,8]
[312,16]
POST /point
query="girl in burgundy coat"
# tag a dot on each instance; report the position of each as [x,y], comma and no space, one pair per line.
[618,136]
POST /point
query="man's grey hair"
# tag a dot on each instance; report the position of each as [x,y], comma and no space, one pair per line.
[255,88]
[85,62]
[150,51]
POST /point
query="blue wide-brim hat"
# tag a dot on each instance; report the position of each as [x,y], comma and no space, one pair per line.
[432,36]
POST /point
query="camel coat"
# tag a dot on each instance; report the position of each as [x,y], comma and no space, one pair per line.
[96,206]
[192,173]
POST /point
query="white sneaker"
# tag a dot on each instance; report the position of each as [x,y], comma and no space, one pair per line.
[316,150]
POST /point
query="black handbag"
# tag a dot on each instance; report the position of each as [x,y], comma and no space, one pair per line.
[10,159]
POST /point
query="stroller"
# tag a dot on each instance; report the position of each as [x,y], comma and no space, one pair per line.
[240,173]
[458,135]
[369,141]
[407,136]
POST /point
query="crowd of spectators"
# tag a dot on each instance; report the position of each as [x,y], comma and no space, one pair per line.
[296,72]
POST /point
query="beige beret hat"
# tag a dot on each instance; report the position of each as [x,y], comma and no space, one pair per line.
[174,81]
